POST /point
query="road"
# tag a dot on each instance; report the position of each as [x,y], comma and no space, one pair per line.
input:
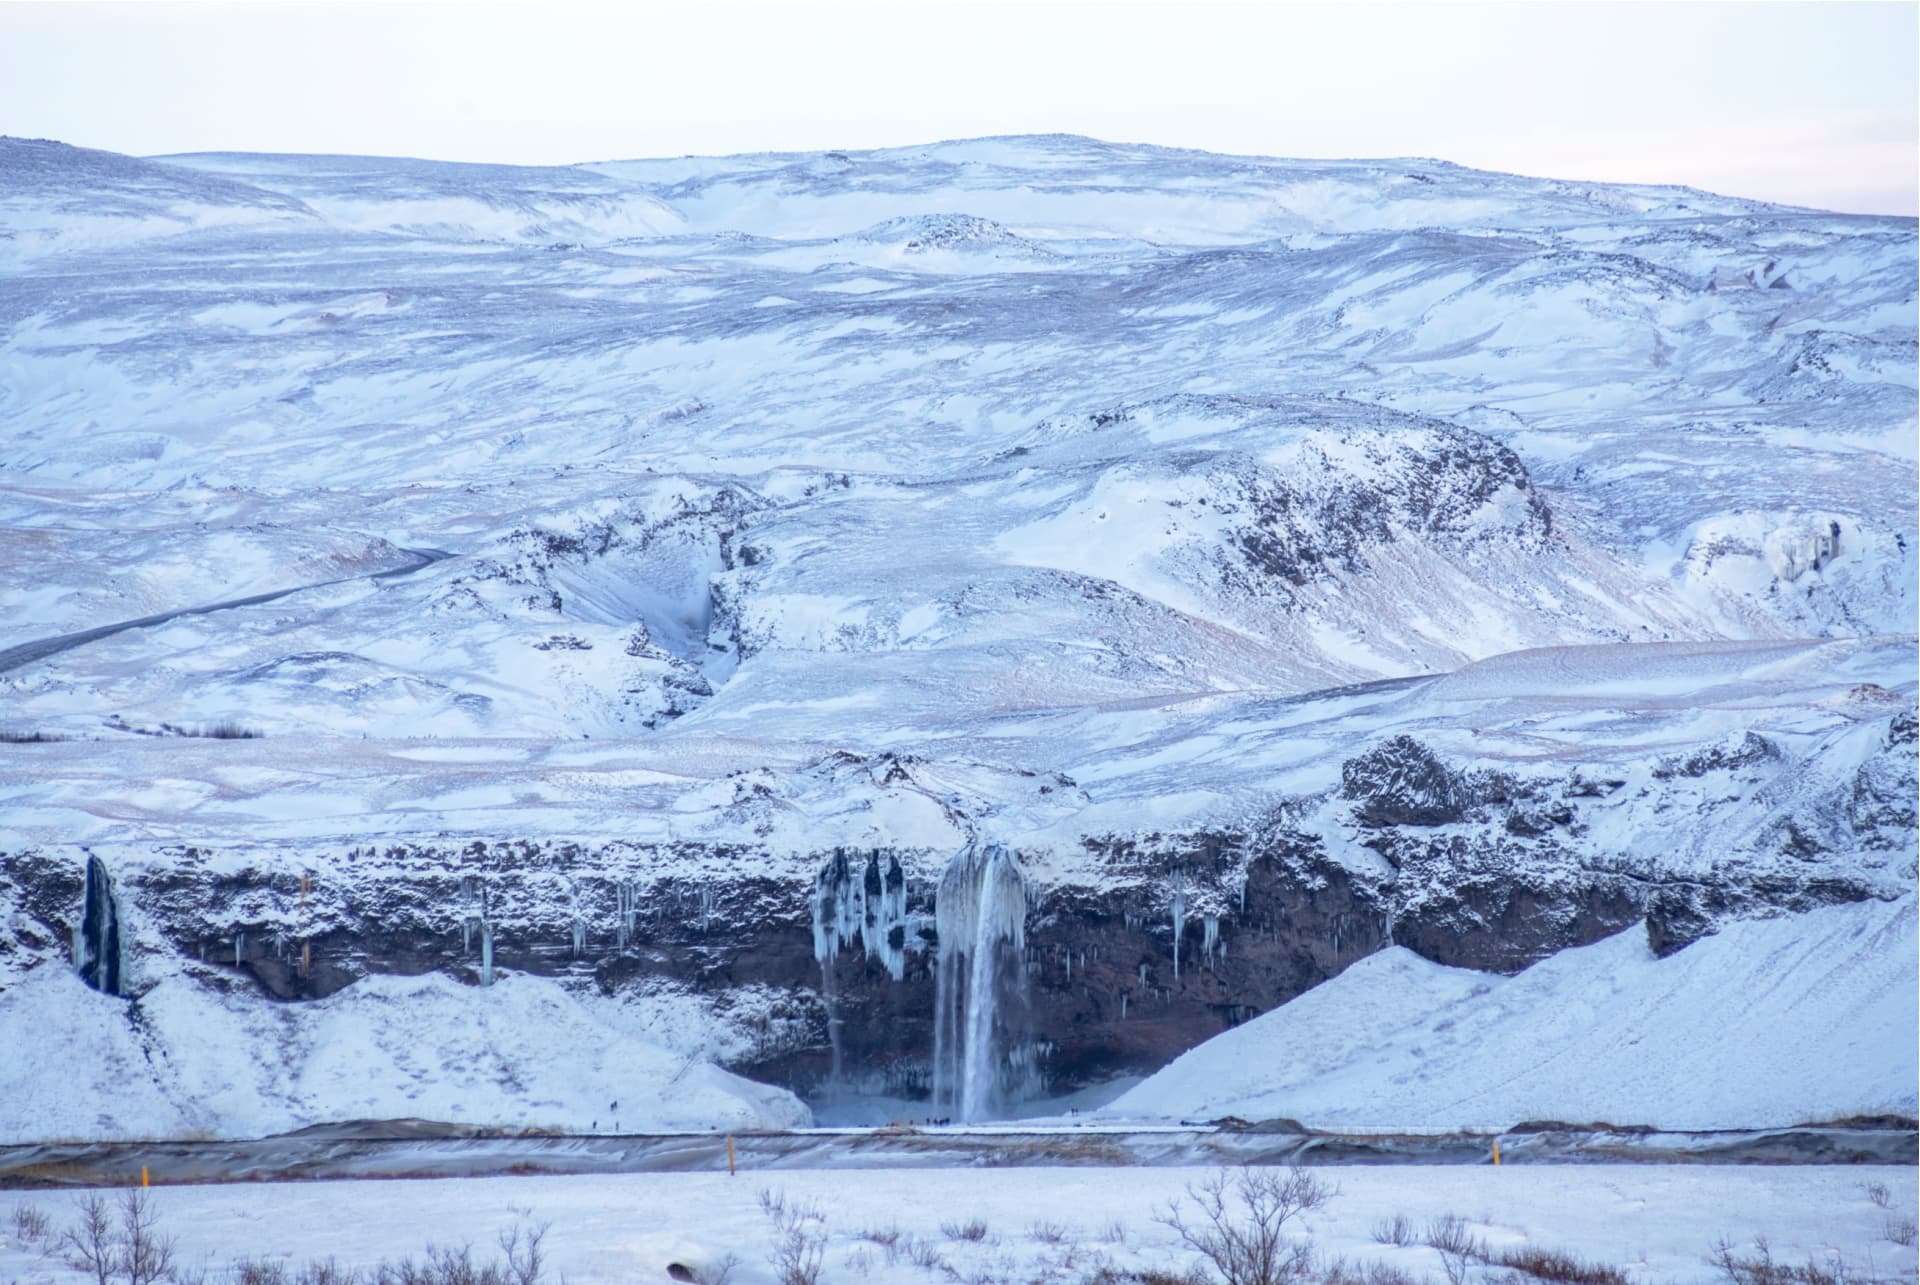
[26,653]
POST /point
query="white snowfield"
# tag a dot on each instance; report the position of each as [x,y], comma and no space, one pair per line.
[1028,454]
[1769,1022]
[196,1062]
[1654,1223]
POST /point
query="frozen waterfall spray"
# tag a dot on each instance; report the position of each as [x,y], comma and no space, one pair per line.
[980,1054]
[852,901]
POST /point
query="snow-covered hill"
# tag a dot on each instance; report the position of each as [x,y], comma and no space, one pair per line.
[1810,1018]
[1324,552]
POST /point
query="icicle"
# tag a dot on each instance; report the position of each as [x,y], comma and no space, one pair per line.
[239,948]
[1209,936]
[486,952]
[1179,915]
[626,898]
[1123,1006]
[1143,972]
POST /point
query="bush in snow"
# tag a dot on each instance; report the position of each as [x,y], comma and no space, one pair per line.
[1239,1223]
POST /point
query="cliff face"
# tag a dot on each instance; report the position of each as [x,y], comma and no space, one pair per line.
[1135,947]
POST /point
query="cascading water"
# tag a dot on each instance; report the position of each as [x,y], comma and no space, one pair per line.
[980,993]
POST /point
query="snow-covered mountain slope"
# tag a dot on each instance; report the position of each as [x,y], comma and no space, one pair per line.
[1491,560]
[1811,1018]
[196,1058]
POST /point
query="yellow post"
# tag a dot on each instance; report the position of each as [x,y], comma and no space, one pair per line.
[729,1155]
[143,1175]
[1496,1151]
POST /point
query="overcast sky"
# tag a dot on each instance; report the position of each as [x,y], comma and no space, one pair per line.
[1811,103]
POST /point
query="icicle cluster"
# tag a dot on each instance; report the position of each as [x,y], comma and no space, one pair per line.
[980,992]
[872,906]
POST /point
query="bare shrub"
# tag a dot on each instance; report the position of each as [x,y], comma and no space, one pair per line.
[720,1271]
[801,1247]
[1557,1266]
[1397,1230]
[31,1226]
[1457,1247]
[1108,1274]
[922,1254]
[1877,1192]
[1239,1223]
[1761,1268]
[259,1271]
[1901,1231]
[90,1246]
[1371,1272]
[145,1255]
[9,737]
[1046,1232]
[1115,1232]
[522,1243]
[973,1229]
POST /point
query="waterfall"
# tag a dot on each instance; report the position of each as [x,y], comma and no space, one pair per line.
[99,947]
[980,991]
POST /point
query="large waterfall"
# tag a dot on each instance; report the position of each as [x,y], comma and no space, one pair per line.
[979,1041]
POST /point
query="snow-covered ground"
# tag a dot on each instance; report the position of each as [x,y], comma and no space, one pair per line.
[1655,1223]
[201,1061]
[1769,1022]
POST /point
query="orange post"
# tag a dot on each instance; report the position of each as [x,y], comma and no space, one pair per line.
[143,1175]
[1496,1151]
[729,1155]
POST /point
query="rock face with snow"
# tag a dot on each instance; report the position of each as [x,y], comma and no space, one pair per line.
[1281,561]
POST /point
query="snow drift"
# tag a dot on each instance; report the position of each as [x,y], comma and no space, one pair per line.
[1770,1022]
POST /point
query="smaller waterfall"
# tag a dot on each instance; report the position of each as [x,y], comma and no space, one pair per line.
[980,989]
[98,945]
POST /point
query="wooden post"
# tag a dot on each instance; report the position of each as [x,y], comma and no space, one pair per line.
[1496,1151]
[143,1175]
[729,1155]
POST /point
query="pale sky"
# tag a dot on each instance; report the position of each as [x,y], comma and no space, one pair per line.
[1810,103]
